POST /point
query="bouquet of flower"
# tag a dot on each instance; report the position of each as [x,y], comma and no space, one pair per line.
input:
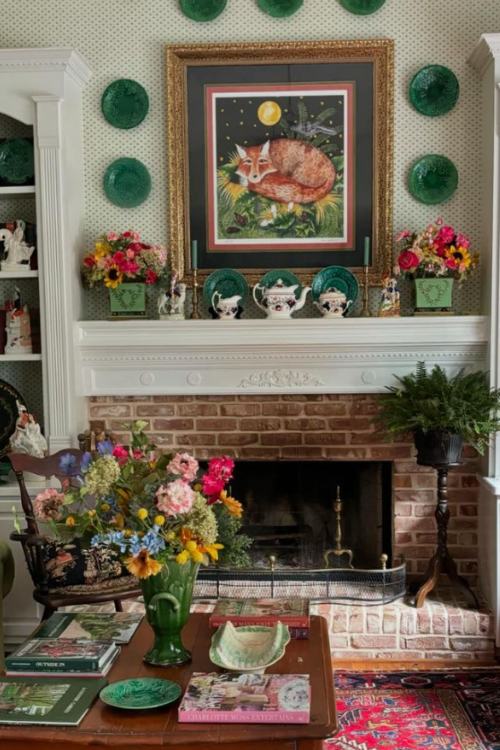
[438,251]
[151,507]
[123,257]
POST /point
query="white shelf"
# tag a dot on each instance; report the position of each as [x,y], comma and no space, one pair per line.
[20,357]
[13,190]
[20,275]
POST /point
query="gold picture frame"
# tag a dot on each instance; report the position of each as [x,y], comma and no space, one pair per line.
[377,58]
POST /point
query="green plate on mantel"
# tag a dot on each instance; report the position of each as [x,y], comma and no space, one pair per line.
[141,693]
[202,10]
[280,8]
[434,90]
[433,179]
[17,161]
[125,103]
[226,282]
[362,7]
[127,182]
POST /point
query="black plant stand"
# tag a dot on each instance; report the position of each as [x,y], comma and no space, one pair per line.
[442,561]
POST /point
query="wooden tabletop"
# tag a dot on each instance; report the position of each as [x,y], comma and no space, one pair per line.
[105,727]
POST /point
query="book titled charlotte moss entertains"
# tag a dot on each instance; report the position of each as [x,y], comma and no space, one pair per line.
[46,655]
[118,627]
[246,698]
[291,612]
[31,700]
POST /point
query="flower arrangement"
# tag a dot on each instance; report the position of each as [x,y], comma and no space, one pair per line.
[438,251]
[149,506]
[123,257]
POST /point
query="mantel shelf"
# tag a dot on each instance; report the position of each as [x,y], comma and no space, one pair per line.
[355,355]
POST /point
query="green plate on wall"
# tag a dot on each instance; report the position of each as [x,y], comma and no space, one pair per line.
[202,10]
[17,162]
[127,182]
[362,7]
[288,278]
[280,8]
[225,281]
[140,694]
[434,90]
[335,277]
[125,103]
[433,179]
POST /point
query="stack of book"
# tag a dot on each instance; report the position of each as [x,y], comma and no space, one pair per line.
[59,657]
[291,612]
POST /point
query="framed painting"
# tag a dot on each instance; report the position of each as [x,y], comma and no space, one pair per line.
[280,155]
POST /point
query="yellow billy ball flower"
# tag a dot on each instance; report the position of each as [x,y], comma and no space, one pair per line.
[142,514]
[191,546]
[170,536]
[91,513]
[182,557]
[105,507]
[159,520]
[70,521]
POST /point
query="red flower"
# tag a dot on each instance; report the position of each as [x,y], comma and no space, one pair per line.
[212,487]
[136,247]
[221,468]
[451,263]
[121,454]
[408,260]
[89,261]
[446,235]
[151,277]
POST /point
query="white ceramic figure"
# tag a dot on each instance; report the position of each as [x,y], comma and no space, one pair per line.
[390,302]
[17,327]
[171,303]
[17,251]
[333,303]
[27,437]
[225,308]
[279,301]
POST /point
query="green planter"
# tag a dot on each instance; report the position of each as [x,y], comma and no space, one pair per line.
[128,300]
[433,295]
[167,598]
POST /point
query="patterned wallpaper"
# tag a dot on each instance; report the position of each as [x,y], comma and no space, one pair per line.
[126,38]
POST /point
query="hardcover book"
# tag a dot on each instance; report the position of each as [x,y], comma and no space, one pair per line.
[63,672]
[118,627]
[246,698]
[291,612]
[57,655]
[25,700]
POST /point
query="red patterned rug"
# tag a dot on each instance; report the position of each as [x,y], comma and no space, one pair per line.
[418,710]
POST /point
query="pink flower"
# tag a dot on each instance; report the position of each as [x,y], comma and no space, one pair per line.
[212,487]
[130,235]
[408,260]
[121,454]
[151,277]
[48,504]
[403,235]
[89,261]
[462,241]
[221,468]
[446,235]
[174,498]
[184,466]
[135,247]
[111,236]
[452,264]
[137,453]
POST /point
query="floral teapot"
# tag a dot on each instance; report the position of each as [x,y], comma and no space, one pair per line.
[333,303]
[279,301]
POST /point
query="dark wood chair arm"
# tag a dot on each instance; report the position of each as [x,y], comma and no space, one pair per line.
[32,540]
[33,546]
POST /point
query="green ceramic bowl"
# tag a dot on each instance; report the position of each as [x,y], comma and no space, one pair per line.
[140,694]
[125,103]
[433,179]
[202,10]
[280,8]
[434,90]
[362,7]
[127,182]
[250,648]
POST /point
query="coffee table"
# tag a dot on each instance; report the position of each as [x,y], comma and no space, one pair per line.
[104,727]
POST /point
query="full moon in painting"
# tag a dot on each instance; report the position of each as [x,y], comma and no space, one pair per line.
[269,113]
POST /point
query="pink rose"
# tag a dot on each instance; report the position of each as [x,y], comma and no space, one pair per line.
[174,498]
[403,235]
[212,487]
[452,263]
[184,466]
[111,236]
[462,241]
[221,468]
[446,235]
[121,454]
[48,504]
[408,260]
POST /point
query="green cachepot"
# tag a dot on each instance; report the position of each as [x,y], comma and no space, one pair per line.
[433,295]
[128,299]
[167,598]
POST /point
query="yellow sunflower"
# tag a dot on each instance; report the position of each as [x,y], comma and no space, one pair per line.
[142,565]
[233,505]
[113,277]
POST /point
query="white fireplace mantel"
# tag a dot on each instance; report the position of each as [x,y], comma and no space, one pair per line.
[355,355]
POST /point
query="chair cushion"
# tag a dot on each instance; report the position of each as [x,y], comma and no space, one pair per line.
[71,564]
[122,585]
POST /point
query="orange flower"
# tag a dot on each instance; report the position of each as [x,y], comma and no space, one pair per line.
[234,506]
[142,565]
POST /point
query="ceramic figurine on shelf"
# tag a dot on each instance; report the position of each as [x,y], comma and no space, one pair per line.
[171,302]
[17,327]
[226,308]
[333,303]
[27,437]
[17,251]
[390,298]
[279,301]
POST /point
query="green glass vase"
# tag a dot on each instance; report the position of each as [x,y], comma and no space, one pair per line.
[167,598]
[433,295]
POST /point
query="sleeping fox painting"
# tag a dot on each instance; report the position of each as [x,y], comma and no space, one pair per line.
[286,171]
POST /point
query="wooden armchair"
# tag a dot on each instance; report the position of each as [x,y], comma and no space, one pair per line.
[34,544]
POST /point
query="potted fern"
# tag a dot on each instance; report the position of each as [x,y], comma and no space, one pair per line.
[442,412]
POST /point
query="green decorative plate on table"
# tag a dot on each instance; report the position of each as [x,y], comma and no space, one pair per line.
[362,7]
[434,90]
[125,103]
[127,182]
[433,179]
[202,10]
[227,283]
[141,693]
[280,8]
[17,163]
[335,277]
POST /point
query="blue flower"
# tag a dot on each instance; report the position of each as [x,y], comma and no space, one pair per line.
[105,448]
[153,542]
[86,460]
[67,463]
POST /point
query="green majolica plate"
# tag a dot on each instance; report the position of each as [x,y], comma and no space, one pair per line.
[202,10]
[17,163]
[433,179]
[127,182]
[335,277]
[362,7]
[227,283]
[140,694]
[288,278]
[434,90]
[125,103]
[280,8]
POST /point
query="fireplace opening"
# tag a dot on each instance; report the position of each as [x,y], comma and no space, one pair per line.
[290,512]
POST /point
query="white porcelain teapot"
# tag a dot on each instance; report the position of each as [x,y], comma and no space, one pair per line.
[279,301]
[333,303]
[226,308]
